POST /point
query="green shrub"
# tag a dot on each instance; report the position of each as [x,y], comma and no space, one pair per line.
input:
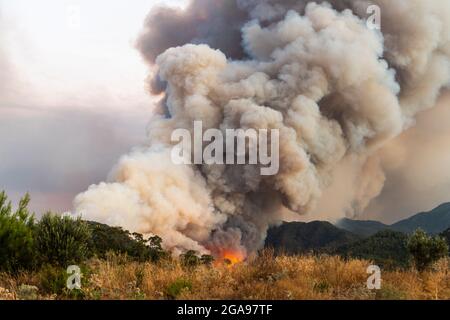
[425,249]
[62,240]
[16,235]
[52,279]
[177,287]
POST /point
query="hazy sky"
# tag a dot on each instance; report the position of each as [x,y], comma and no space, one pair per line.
[73,100]
[72,94]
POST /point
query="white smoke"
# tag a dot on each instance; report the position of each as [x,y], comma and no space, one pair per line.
[337,91]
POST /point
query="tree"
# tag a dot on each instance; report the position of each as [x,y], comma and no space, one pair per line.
[114,239]
[207,259]
[446,236]
[16,235]
[387,248]
[155,245]
[425,249]
[155,242]
[190,259]
[62,240]
[147,250]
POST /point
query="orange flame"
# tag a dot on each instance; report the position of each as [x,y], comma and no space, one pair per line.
[232,257]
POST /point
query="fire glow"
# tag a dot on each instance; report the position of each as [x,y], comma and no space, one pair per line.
[232,257]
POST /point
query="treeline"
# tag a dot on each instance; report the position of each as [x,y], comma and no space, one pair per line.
[387,249]
[27,244]
[393,249]
[61,240]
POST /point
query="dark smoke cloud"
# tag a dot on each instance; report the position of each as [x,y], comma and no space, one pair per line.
[204,21]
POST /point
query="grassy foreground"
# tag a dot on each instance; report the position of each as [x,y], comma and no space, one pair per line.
[263,277]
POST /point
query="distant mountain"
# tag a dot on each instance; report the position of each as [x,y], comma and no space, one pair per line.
[372,240]
[300,237]
[364,228]
[432,222]
[386,248]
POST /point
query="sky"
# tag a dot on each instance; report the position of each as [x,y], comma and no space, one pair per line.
[72,94]
[73,99]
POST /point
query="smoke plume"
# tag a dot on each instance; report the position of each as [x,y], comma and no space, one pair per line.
[337,91]
[416,167]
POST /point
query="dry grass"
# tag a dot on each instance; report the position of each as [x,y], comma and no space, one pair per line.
[264,277]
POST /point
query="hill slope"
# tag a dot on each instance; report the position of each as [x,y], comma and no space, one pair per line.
[300,237]
[364,228]
[432,222]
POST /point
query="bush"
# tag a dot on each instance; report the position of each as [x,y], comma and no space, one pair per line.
[53,280]
[177,287]
[27,292]
[426,250]
[16,235]
[62,240]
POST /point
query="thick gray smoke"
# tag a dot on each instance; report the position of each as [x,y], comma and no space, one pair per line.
[338,92]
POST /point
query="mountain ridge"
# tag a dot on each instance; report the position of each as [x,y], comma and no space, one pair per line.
[366,239]
[434,222]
